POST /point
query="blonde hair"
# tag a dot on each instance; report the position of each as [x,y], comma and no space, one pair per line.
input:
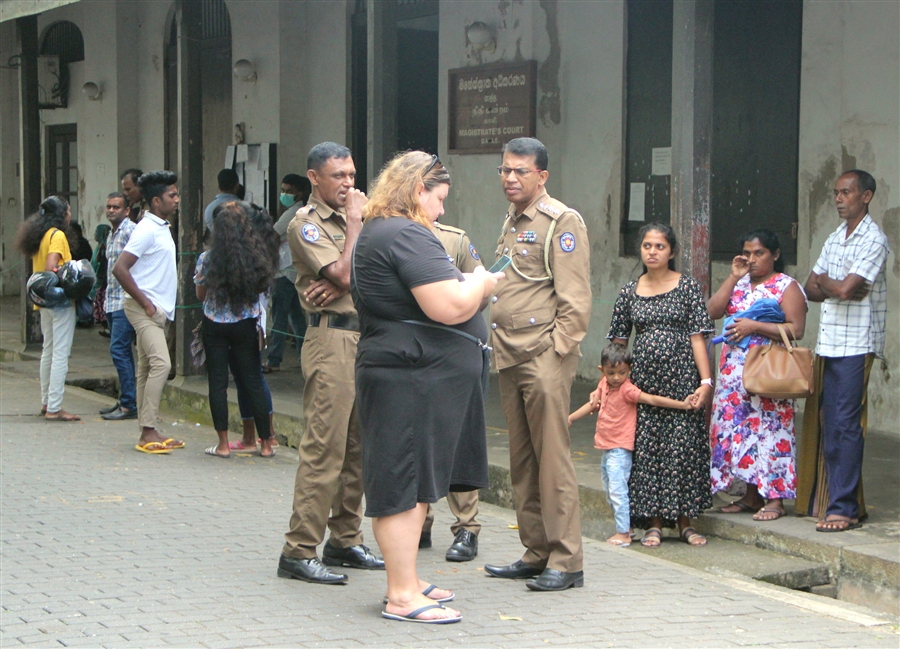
[394,191]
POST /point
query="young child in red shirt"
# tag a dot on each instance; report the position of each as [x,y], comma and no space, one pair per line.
[616,400]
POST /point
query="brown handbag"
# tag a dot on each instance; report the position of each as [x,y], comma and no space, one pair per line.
[780,372]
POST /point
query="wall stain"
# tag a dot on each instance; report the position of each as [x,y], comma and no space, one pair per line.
[821,187]
[890,224]
[548,74]
[847,161]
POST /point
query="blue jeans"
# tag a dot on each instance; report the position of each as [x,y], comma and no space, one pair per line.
[285,307]
[121,335]
[615,468]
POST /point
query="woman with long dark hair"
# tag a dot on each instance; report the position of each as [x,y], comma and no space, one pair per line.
[669,482]
[229,278]
[43,237]
[262,223]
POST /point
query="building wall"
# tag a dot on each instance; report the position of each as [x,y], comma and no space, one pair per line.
[849,117]
[10,160]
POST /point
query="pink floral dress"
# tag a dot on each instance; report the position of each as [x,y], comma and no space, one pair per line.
[752,437]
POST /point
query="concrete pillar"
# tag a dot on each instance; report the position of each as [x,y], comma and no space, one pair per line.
[692,97]
[31,158]
[190,218]
[381,24]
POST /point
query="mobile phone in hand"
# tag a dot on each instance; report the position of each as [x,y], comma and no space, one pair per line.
[501,264]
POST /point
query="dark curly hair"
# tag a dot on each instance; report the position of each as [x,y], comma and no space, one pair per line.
[262,223]
[51,214]
[240,264]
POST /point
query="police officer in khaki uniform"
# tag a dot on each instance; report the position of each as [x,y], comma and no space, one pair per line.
[463,504]
[539,316]
[329,476]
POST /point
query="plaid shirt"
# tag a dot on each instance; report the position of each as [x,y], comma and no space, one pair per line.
[853,327]
[115,294]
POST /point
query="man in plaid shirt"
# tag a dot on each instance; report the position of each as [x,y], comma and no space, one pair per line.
[849,280]
[120,330]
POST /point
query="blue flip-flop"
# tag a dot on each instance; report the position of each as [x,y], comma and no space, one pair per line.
[431,587]
[414,616]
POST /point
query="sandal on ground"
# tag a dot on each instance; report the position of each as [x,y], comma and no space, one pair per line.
[836,523]
[268,369]
[269,456]
[617,542]
[742,508]
[652,538]
[414,616]
[61,415]
[174,443]
[692,537]
[240,446]
[431,587]
[761,515]
[212,451]
[153,448]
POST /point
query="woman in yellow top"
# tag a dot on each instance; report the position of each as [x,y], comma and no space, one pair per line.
[43,237]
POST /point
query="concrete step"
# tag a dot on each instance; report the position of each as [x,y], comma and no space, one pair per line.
[720,556]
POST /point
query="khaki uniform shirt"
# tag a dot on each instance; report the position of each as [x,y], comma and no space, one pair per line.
[459,249]
[533,309]
[316,236]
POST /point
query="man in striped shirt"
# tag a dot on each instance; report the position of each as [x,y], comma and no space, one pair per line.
[121,331]
[849,280]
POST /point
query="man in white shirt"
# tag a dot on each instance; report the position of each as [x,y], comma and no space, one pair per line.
[146,271]
[849,280]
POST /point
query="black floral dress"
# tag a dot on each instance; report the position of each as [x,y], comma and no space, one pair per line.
[670,474]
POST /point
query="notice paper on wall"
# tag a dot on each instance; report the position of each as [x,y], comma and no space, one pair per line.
[662,161]
[636,202]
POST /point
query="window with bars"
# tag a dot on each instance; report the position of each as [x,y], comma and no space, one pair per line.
[62,164]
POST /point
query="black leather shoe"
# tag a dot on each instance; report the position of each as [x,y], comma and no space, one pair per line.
[112,408]
[357,556]
[424,540]
[556,580]
[517,570]
[120,415]
[309,570]
[464,548]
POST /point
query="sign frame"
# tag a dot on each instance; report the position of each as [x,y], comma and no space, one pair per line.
[526,68]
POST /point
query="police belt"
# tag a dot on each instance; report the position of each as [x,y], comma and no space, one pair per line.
[335,321]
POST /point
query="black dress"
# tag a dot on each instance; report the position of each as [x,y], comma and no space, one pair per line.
[418,388]
[670,471]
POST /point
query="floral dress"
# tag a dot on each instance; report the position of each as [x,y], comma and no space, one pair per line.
[752,437]
[669,477]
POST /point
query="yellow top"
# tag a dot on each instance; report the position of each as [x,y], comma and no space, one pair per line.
[54,241]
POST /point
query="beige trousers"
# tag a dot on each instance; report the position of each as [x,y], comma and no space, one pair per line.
[153,360]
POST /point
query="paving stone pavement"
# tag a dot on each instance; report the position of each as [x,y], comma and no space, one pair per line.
[102,546]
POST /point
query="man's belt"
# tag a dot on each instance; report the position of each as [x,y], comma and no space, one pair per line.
[335,321]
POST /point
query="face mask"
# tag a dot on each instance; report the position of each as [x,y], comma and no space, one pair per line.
[287,200]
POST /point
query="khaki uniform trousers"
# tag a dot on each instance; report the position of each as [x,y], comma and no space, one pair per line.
[329,476]
[464,505]
[535,397]
[153,364]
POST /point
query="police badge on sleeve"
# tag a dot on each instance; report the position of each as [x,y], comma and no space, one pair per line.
[310,232]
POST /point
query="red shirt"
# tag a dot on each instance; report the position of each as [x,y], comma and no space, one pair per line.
[617,419]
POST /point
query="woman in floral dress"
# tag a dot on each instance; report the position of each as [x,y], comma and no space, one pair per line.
[669,478]
[752,437]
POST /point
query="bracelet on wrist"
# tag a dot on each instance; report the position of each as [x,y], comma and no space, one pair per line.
[708,382]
